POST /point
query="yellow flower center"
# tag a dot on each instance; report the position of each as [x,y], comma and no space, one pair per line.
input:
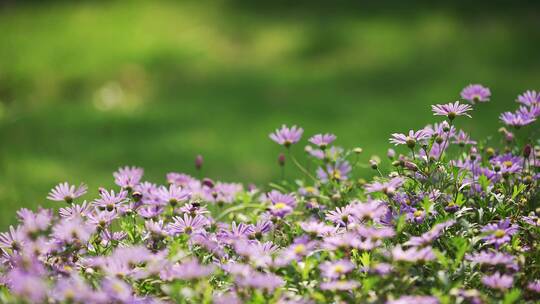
[117,287]
[499,233]
[280,206]
[310,189]
[508,164]
[339,269]
[418,213]
[300,248]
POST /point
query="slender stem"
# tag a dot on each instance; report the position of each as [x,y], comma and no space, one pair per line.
[295,161]
[237,208]
[445,140]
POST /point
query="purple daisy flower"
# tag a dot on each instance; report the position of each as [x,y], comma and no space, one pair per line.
[414,300]
[110,200]
[341,215]
[73,289]
[301,247]
[27,285]
[81,210]
[498,281]
[73,230]
[376,233]
[318,229]
[463,139]
[529,98]
[187,224]
[451,110]
[236,232]
[322,140]
[128,177]
[14,239]
[411,139]
[494,258]
[263,281]
[102,219]
[516,120]
[117,290]
[532,220]
[342,285]
[370,210]
[534,286]
[337,171]
[67,193]
[173,196]
[188,270]
[413,254]
[499,233]
[428,237]
[287,136]
[180,179]
[277,197]
[388,187]
[33,223]
[476,93]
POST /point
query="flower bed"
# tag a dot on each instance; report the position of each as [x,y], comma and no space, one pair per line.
[451,220]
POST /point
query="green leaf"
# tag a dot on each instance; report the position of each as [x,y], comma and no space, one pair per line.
[461,245]
[400,223]
[459,200]
[484,182]
[512,296]
[518,190]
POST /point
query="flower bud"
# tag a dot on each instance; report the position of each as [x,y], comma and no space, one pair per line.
[137,196]
[490,151]
[527,150]
[208,182]
[281,159]
[411,166]
[358,150]
[391,153]
[198,162]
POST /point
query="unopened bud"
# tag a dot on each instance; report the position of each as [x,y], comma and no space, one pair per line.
[527,150]
[411,166]
[137,196]
[358,150]
[374,164]
[198,162]
[208,182]
[281,159]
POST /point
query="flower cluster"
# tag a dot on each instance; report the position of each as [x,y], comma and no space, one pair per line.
[447,219]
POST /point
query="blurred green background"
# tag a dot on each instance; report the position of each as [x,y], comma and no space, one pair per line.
[86,87]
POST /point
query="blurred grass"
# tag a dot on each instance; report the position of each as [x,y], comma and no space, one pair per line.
[87,87]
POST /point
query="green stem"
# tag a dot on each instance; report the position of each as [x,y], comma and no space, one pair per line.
[295,161]
[237,208]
